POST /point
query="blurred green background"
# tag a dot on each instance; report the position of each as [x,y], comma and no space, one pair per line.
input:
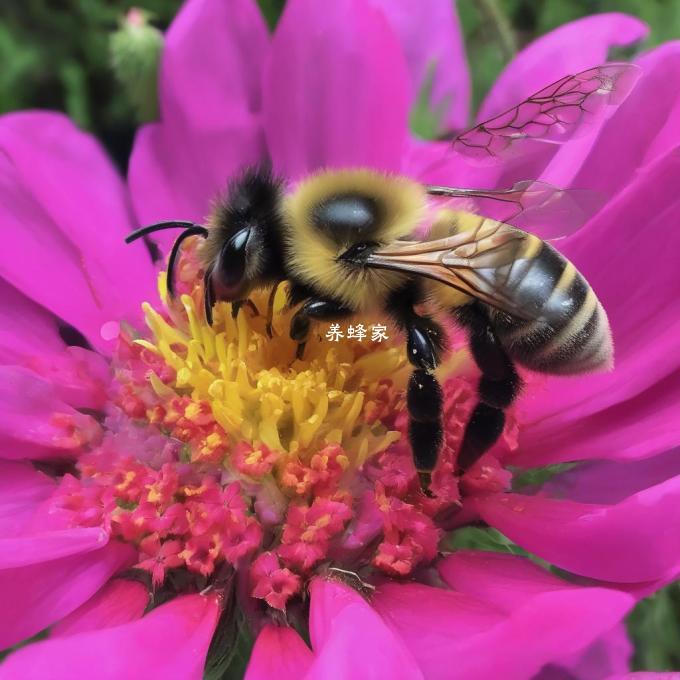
[56,54]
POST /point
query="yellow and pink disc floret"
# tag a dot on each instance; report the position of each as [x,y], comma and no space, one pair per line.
[222,453]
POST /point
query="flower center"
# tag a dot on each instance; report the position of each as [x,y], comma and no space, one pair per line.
[222,452]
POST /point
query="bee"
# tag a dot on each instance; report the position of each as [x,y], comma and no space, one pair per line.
[344,241]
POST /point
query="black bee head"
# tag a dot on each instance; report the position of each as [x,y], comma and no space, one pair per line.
[243,249]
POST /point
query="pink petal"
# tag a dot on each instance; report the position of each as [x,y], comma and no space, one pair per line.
[22,490]
[29,337]
[336,89]
[634,540]
[647,121]
[34,422]
[451,615]
[630,412]
[558,53]
[64,203]
[604,657]
[278,652]
[35,548]
[38,595]
[644,676]
[170,642]
[430,36]
[610,482]
[118,602]
[209,102]
[430,621]
[26,328]
[504,581]
[350,639]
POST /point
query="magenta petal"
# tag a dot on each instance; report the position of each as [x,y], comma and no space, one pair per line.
[209,102]
[654,100]
[36,548]
[279,652]
[170,642]
[609,655]
[634,540]
[118,602]
[26,328]
[34,422]
[610,482]
[630,412]
[22,490]
[350,639]
[450,615]
[571,48]
[38,595]
[29,337]
[644,676]
[64,203]
[431,38]
[504,581]
[458,635]
[336,89]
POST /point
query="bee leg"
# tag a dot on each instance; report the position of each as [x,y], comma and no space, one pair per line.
[270,309]
[238,304]
[318,309]
[424,398]
[498,387]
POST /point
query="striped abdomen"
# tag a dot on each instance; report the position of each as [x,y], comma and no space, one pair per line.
[568,331]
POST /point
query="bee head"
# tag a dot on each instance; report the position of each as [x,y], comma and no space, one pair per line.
[242,250]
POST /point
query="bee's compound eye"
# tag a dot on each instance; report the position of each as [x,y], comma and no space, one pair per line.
[232,261]
[347,215]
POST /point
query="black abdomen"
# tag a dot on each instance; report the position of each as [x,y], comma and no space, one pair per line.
[568,331]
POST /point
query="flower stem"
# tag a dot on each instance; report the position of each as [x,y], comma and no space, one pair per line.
[493,12]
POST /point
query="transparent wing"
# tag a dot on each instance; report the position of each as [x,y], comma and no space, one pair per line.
[568,108]
[535,206]
[477,262]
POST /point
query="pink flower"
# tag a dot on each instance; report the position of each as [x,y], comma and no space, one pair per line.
[107,467]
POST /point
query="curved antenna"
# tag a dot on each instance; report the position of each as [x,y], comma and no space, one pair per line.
[174,224]
[208,295]
[191,231]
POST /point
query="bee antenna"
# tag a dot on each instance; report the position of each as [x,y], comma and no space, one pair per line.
[160,226]
[191,231]
[208,296]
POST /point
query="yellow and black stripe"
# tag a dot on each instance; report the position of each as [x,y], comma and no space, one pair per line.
[567,330]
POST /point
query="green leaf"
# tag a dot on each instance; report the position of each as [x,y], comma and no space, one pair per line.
[271,10]
[654,626]
[77,97]
[535,477]
[230,648]
[425,119]
[489,539]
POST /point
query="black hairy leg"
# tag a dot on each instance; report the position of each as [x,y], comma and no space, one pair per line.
[498,386]
[238,304]
[208,295]
[424,400]
[314,309]
[270,309]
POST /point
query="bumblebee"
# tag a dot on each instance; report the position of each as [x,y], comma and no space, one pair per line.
[344,240]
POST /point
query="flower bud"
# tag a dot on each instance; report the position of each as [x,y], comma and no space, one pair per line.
[135,50]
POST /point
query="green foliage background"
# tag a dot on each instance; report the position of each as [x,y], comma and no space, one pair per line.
[55,54]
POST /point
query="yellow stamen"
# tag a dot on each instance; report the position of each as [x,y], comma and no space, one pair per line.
[257,391]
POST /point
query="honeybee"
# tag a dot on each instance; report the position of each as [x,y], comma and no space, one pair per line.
[343,239]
